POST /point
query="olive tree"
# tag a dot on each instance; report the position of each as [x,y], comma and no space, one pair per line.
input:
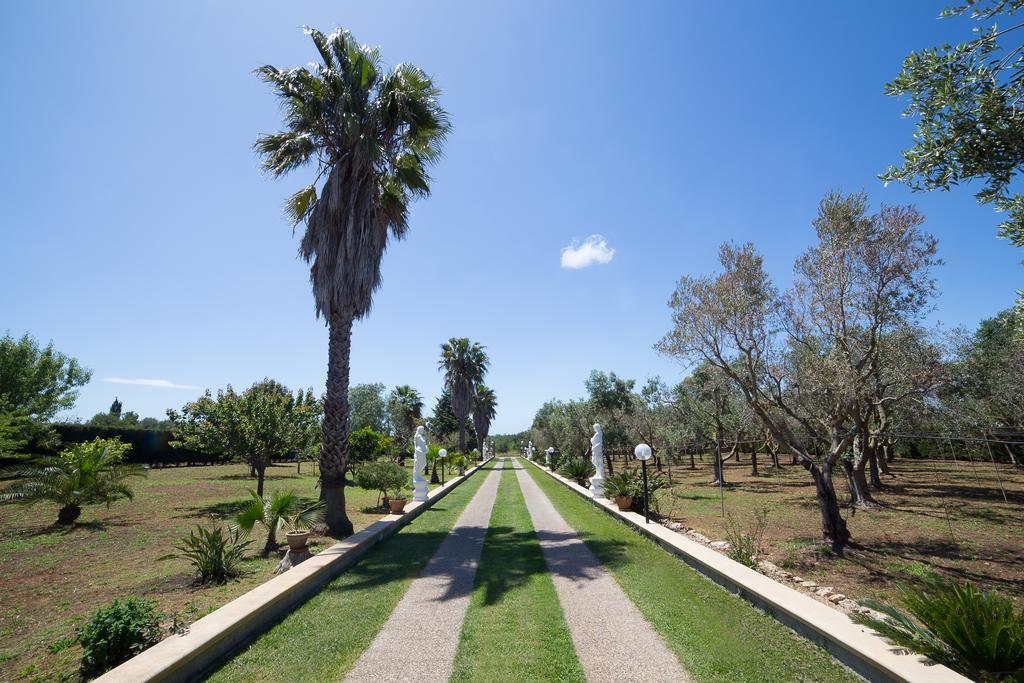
[804,360]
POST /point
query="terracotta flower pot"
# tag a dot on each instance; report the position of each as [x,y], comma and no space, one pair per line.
[624,502]
[297,540]
[397,505]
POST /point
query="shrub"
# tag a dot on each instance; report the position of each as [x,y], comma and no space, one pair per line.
[747,542]
[117,633]
[556,460]
[383,477]
[83,474]
[215,555]
[578,470]
[976,633]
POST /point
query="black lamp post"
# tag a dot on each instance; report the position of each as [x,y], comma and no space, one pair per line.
[643,453]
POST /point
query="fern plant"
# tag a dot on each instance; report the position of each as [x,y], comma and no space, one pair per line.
[976,633]
[578,470]
[215,555]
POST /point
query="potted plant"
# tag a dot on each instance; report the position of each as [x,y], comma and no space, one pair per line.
[621,487]
[385,478]
[279,510]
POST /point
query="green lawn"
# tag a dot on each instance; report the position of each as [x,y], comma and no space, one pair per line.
[514,628]
[717,636]
[322,639]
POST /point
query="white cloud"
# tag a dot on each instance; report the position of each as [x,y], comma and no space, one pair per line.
[159,383]
[592,250]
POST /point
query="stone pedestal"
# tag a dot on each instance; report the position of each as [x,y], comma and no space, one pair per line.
[597,486]
[292,558]
[419,490]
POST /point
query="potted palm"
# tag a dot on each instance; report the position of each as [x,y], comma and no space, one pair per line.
[280,510]
[621,487]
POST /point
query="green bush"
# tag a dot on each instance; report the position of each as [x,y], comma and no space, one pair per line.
[383,477]
[556,460]
[215,555]
[117,633]
[974,632]
[577,470]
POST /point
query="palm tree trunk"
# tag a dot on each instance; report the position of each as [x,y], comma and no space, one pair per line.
[334,449]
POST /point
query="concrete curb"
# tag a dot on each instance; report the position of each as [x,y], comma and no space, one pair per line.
[211,639]
[857,647]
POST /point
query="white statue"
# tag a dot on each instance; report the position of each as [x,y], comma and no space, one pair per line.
[419,463]
[597,458]
[529,451]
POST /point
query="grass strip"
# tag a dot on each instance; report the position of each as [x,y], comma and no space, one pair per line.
[514,628]
[716,635]
[323,638]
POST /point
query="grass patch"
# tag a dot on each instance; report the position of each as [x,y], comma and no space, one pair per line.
[514,628]
[717,636]
[323,639]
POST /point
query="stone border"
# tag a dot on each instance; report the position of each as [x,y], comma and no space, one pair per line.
[856,646]
[227,629]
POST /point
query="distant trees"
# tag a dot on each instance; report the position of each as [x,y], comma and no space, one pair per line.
[367,407]
[264,421]
[372,134]
[36,383]
[405,411]
[485,408]
[464,364]
[125,420]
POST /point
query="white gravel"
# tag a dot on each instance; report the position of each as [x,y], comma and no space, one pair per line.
[613,641]
[419,640]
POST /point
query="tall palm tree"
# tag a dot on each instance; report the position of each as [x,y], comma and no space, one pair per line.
[371,133]
[464,364]
[485,407]
[405,407]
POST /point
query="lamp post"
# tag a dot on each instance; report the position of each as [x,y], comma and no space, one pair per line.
[442,454]
[643,453]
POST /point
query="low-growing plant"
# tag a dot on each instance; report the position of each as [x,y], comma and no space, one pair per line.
[976,633]
[621,484]
[385,478]
[579,470]
[275,512]
[746,541]
[116,633]
[215,555]
[556,460]
[83,474]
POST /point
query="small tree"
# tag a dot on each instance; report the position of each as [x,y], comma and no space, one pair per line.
[264,421]
[83,474]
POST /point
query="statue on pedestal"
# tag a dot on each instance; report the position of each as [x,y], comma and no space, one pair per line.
[419,464]
[597,458]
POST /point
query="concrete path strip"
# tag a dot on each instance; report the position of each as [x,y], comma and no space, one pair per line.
[419,640]
[613,641]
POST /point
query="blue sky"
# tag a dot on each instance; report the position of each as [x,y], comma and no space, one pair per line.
[140,236]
